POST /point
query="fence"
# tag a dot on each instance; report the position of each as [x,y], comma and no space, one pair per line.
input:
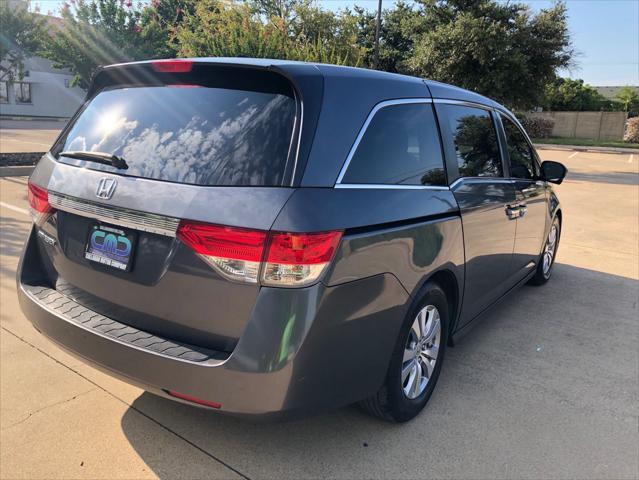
[595,125]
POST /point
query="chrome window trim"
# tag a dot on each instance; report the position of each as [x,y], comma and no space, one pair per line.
[123,217]
[464,103]
[513,119]
[369,118]
[299,138]
[519,126]
[362,131]
[383,186]
[480,180]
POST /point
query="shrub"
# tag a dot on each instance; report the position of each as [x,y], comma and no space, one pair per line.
[632,130]
[538,127]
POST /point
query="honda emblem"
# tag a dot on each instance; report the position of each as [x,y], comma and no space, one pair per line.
[106,188]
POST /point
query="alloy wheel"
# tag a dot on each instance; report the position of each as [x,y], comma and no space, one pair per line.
[421,351]
[549,250]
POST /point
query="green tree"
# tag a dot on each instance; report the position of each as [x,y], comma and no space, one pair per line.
[498,49]
[158,22]
[564,94]
[22,34]
[101,32]
[298,31]
[628,97]
[401,26]
[284,9]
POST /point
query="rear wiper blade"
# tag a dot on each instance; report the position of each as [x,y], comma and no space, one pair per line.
[98,157]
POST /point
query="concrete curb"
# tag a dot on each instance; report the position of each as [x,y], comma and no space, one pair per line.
[549,146]
[16,171]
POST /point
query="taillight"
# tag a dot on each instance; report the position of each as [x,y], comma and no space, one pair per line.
[234,252]
[285,259]
[296,259]
[39,205]
[172,66]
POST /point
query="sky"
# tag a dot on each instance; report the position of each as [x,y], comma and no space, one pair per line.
[605,35]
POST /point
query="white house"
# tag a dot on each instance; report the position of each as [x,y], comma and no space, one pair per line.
[44,91]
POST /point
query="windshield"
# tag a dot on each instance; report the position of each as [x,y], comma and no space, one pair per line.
[188,134]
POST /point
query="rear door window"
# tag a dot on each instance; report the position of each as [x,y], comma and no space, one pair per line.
[400,147]
[522,158]
[475,141]
[188,134]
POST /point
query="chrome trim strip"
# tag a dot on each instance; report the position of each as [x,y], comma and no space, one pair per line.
[517,123]
[463,103]
[123,217]
[480,180]
[521,128]
[376,108]
[391,187]
[299,143]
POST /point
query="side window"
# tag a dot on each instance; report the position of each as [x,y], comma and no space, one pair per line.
[475,141]
[400,147]
[522,158]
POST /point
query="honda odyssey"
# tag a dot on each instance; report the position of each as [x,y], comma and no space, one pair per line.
[274,238]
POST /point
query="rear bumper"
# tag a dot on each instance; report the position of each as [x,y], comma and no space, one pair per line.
[303,350]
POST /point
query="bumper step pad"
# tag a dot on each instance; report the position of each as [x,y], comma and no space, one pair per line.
[73,312]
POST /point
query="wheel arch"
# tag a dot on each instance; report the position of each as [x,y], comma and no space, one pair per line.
[447,281]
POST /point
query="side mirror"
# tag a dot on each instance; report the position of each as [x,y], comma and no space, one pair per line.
[553,172]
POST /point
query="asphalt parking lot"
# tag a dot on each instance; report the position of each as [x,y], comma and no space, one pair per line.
[547,386]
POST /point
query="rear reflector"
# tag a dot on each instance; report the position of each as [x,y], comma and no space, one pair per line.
[286,259]
[172,66]
[39,205]
[192,399]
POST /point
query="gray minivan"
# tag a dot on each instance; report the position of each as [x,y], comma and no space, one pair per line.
[274,238]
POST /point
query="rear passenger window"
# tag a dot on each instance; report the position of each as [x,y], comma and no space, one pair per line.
[475,141]
[522,159]
[400,147]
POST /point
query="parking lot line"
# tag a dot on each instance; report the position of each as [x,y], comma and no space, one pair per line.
[573,155]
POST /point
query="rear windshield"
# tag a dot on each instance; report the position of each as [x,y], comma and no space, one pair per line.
[188,134]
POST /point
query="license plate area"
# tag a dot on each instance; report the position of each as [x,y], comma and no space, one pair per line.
[110,246]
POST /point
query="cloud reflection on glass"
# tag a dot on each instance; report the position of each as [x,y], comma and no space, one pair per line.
[207,136]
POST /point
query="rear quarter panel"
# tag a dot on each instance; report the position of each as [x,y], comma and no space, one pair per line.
[408,233]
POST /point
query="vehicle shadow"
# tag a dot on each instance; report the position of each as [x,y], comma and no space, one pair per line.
[505,389]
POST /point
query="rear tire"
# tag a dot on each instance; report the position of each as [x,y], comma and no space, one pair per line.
[416,361]
[548,255]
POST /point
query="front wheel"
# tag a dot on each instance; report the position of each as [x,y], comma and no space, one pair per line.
[547,259]
[416,361]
